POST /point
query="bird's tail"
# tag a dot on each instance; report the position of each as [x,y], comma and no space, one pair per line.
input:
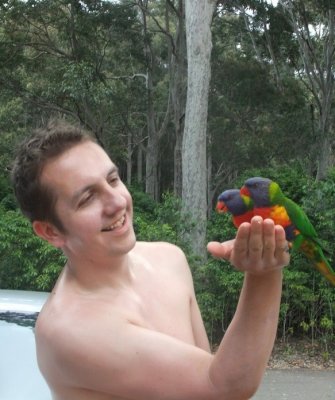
[314,253]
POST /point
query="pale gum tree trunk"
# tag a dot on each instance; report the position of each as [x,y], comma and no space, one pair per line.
[151,179]
[198,14]
[319,71]
[155,132]
[178,85]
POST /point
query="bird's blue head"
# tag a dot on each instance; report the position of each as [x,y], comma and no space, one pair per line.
[259,190]
[231,201]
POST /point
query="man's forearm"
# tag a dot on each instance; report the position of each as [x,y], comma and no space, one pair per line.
[246,347]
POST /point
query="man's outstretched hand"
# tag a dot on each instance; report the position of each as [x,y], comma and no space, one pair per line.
[259,247]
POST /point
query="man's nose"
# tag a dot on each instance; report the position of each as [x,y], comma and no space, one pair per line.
[113,199]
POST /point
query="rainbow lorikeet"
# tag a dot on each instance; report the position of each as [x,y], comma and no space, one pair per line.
[240,207]
[270,202]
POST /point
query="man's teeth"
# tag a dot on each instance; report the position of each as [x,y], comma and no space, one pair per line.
[117,224]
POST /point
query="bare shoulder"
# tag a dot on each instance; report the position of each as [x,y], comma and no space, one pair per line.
[164,255]
[55,319]
[67,334]
[159,248]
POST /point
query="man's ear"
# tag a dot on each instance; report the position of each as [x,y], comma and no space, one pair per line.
[48,232]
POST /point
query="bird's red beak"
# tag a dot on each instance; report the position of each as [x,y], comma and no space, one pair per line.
[221,207]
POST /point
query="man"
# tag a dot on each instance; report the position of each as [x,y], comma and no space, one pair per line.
[122,321]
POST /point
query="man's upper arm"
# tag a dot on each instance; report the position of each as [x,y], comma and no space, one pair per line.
[135,363]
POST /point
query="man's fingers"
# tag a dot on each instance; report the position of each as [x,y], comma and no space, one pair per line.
[240,251]
[269,241]
[256,240]
[221,250]
[282,253]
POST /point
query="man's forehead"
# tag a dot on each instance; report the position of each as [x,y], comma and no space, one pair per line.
[88,149]
[78,166]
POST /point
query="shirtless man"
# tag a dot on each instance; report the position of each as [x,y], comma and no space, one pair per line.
[122,322]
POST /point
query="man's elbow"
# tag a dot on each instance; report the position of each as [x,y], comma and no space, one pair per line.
[244,389]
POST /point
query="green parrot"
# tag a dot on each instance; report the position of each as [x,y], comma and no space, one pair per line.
[270,202]
[240,207]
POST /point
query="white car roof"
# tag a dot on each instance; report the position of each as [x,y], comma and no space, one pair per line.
[22,301]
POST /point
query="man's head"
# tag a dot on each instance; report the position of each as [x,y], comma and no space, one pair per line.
[37,200]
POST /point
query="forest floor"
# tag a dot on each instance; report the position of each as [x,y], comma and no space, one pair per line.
[299,353]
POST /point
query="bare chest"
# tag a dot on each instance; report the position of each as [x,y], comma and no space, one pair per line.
[161,304]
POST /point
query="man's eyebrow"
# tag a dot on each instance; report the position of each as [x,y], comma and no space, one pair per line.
[113,170]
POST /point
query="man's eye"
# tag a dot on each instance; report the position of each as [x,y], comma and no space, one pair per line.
[113,180]
[84,201]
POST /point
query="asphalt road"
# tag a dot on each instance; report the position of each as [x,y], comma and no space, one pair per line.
[297,384]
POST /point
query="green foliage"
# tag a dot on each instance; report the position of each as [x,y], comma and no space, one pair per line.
[26,262]
[142,203]
[153,231]
[11,110]
[159,221]
[218,286]
[319,204]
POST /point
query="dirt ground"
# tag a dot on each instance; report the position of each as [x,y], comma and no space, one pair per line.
[303,354]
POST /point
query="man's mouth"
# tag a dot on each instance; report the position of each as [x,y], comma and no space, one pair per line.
[116,224]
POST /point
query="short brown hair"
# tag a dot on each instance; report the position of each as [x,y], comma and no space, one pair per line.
[37,201]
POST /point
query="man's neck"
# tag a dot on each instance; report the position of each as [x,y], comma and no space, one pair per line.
[88,276]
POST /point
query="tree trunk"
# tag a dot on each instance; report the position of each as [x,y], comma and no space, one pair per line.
[151,161]
[140,164]
[178,86]
[318,75]
[324,158]
[178,177]
[129,156]
[199,15]
[155,133]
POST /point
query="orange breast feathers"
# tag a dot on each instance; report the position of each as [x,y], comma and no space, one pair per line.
[277,213]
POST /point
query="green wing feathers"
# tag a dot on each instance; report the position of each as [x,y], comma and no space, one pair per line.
[299,219]
[314,253]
